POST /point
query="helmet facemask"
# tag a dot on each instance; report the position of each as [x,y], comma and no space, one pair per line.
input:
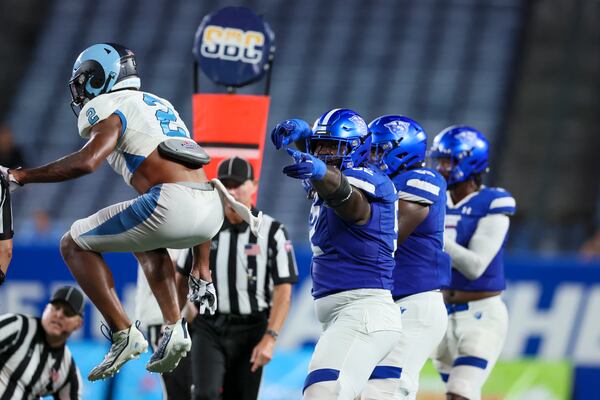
[88,82]
[377,152]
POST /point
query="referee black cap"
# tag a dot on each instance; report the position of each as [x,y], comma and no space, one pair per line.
[236,169]
[70,295]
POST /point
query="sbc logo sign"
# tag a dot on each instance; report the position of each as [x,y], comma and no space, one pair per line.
[232,44]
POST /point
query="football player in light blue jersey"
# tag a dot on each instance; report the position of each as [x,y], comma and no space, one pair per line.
[477,222]
[143,138]
[353,238]
[422,268]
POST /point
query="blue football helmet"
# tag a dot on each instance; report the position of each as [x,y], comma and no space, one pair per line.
[348,131]
[100,69]
[467,150]
[398,143]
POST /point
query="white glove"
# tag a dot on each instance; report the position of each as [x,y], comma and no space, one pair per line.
[13,184]
[204,293]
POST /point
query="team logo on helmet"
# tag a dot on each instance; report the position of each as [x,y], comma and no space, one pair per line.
[467,136]
[397,126]
[361,125]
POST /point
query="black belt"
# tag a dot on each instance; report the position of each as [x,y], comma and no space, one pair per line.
[258,316]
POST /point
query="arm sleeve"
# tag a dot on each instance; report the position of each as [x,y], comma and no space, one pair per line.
[10,326]
[283,268]
[483,246]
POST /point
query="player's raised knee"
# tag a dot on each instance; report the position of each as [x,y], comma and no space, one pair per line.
[67,245]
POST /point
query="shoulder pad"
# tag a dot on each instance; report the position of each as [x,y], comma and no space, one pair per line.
[373,183]
[96,110]
[499,201]
[421,185]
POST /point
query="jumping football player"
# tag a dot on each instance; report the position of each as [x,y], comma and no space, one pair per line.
[143,138]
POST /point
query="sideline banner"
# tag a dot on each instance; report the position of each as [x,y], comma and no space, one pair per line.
[553,307]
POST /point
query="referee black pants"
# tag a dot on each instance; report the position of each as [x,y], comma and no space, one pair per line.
[221,349]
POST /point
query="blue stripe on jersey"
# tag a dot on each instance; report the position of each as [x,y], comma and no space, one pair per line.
[464,219]
[421,263]
[123,122]
[139,211]
[133,161]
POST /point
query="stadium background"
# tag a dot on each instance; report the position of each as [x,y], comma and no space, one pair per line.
[526,73]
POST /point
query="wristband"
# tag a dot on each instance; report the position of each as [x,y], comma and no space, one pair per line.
[272,333]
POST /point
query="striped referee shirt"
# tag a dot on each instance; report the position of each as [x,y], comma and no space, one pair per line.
[245,268]
[6,225]
[29,367]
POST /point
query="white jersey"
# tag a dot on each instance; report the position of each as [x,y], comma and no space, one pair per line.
[147,120]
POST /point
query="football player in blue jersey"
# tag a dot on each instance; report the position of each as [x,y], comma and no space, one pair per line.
[477,222]
[422,268]
[353,238]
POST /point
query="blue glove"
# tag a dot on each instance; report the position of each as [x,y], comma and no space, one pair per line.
[305,166]
[289,131]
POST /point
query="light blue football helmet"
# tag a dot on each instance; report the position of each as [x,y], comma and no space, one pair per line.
[348,131]
[467,150]
[398,143]
[99,69]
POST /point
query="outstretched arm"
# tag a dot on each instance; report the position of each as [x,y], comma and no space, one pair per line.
[103,140]
[348,202]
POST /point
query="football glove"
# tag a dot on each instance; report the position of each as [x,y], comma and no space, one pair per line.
[289,131]
[203,294]
[305,166]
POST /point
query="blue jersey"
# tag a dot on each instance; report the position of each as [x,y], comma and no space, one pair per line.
[347,256]
[462,219]
[421,263]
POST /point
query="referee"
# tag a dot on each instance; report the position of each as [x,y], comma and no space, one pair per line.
[6,228]
[252,276]
[34,360]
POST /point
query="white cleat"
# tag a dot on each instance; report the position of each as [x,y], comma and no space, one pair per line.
[127,345]
[174,344]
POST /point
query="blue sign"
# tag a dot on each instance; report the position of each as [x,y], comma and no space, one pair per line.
[233,46]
